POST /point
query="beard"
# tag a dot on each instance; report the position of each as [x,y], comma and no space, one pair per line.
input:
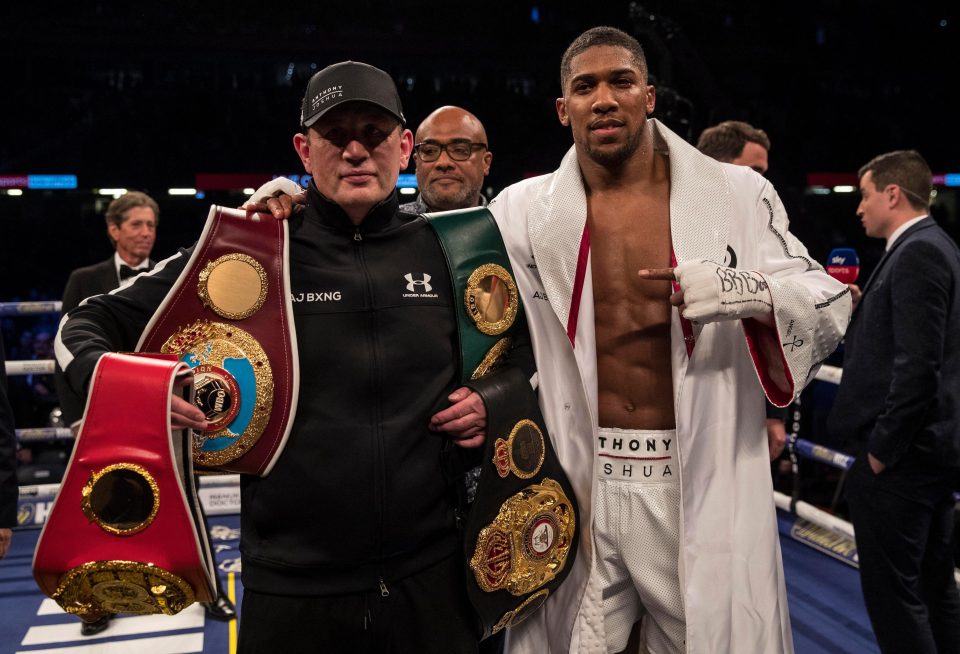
[612,158]
[460,199]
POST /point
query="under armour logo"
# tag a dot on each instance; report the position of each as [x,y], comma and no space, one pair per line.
[414,283]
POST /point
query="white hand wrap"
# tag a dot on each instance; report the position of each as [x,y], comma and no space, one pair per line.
[712,292]
[273,188]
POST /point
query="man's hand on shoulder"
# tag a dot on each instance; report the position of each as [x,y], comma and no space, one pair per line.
[465,421]
[280,197]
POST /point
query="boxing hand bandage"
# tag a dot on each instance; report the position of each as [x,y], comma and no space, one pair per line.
[712,292]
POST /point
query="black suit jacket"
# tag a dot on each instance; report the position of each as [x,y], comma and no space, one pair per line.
[90,280]
[83,283]
[900,390]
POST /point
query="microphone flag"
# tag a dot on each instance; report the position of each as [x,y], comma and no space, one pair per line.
[843,264]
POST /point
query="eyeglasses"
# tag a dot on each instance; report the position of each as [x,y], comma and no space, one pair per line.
[457,150]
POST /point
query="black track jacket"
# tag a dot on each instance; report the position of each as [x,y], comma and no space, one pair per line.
[360,496]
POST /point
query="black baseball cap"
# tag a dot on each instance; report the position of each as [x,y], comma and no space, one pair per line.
[349,81]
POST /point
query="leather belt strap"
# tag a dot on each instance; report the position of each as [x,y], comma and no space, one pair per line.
[229,317]
[482,277]
[125,534]
[521,530]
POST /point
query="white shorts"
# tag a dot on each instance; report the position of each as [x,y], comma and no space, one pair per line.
[638,538]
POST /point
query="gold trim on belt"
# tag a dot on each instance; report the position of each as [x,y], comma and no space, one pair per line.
[527,544]
[237,407]
[122,587]
[491,299]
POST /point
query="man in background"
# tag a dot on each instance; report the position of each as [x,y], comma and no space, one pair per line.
[736,142]
[740,143]
[897,409]
[132,229]
[452,158]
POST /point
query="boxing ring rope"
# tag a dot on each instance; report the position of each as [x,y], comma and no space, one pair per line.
[44,434]
[13,309]
[797,447]
[8,309]
[816,517]
[30,367]
[815,452]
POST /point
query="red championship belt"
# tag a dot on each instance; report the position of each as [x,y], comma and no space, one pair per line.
[229,317]
[125,534]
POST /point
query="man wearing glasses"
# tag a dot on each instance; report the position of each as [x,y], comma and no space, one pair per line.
[452,159]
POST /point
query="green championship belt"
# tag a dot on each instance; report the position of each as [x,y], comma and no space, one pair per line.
[521,530]
[482,276]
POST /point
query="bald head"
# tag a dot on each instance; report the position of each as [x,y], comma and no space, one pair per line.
[451,117]
[447,182]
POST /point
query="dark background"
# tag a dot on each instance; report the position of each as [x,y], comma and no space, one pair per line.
[146,95]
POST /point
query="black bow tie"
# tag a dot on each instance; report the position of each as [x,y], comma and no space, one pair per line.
[126,271]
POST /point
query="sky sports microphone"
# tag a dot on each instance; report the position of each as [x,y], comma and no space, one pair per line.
[843,265]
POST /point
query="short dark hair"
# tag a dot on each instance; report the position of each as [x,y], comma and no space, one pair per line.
[117,210]
[905,168]
[597,36]
[725,141]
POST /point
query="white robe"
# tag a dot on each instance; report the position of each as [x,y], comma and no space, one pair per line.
[730,563]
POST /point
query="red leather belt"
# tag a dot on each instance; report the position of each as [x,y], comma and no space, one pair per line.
[125,534]
[228,316]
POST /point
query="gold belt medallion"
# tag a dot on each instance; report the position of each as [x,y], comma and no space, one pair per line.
[521,453]
[527,544]
[491,299]
[234,387]
[122,587]
[234,286]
